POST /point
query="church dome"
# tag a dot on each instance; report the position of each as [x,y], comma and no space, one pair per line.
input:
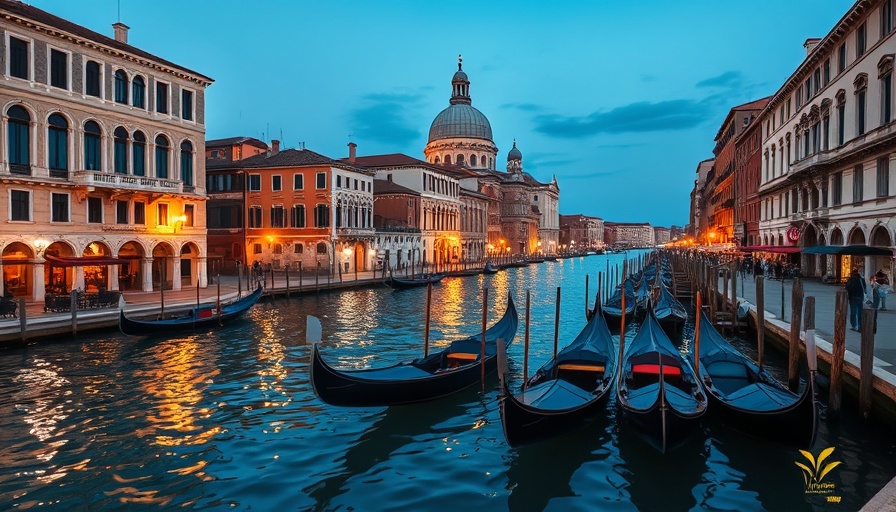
[514,153]
[460,120]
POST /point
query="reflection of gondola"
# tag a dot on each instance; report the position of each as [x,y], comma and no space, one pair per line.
[538,473]
[198,318]
[428,378]
[564,392]
[393,429]
[657,389]
[749,399]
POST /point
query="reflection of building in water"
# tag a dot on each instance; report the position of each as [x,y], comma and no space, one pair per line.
[101,161]
[40,396]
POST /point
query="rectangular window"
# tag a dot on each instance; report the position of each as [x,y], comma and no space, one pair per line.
[161,98]
[189,214]
[841,124]
[255,183]
[858,178]
[94,210]
[886,18]
[816,81]
[59,205]
[886,98]
[92,78]
[826,135]
[841,58]
[837,189]
[276,183]
[256,248]
[321,180]
[883,176]
[338,181]
[163,214]
[255,216]
[59,69]
[321,216]
[826,72]
[19,58]
[186,105]
[861,39]
[20,205]
[277,216]
[298,181]
[860,111]
[121,212]
[139,213]
[298,216]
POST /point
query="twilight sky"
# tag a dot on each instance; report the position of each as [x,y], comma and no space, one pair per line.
[618,100]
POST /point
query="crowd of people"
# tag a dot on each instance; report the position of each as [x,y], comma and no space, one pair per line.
[777,268]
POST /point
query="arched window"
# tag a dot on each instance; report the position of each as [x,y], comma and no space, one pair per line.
[19,138]
[92,79]
[92,154]
[121,87]
[186,163]
[121,150]
[437,161]
[472,160]
[448,159]
[138,94]
[139,154]
[162,157]
[57,144]
[460,159]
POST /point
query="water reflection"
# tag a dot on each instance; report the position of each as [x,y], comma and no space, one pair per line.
[39,392]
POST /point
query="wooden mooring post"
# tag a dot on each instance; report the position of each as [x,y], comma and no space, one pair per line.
[796,313]
[760,319]
[838,351]
[867,362]
[734,298]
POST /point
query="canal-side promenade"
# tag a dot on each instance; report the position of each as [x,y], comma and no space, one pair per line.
[40,324]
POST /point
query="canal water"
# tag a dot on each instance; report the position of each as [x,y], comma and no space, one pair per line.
[227,420]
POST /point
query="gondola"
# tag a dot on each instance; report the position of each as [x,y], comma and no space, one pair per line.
[664,410]
[669,312]
[437,375]
[489,268]
[567,390]
[747,398]
[613,309]
[199,318]
[413,282]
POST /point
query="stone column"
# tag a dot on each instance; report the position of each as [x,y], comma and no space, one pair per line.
[39,292]
[113,277]
[79,278]
[146,272]
[175,274]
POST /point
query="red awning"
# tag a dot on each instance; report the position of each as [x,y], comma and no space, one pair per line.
[84,261]
[777,249]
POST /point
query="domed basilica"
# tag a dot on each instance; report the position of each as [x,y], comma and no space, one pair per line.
[523,216]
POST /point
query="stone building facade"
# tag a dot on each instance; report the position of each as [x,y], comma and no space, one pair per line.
[101,161]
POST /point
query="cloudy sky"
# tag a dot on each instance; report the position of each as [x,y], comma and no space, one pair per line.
[618,100]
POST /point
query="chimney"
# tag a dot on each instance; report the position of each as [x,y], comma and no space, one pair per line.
[810,44]
[275,146]
[121,32]
[351,152]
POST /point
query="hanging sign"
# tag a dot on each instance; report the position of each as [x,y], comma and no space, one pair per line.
[793,233]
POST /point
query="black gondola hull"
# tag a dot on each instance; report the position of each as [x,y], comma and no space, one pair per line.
[400,282]
[525,425]
[192,322]
[663,427]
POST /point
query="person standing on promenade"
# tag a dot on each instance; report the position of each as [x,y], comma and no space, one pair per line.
[884,281]
[855,290]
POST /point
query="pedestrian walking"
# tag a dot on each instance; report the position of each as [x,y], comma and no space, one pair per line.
[855,290]
[884,281]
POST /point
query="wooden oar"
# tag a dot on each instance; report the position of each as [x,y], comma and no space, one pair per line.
[426,322]
[197,295]
[526,343]
[484,320]
[557,323]
[218,303]
[586,295]
[622,329]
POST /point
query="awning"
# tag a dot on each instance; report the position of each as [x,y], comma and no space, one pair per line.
[85,261]
[777,249]
[852,250]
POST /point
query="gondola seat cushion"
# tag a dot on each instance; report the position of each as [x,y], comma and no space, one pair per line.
[654,369]
[581,367]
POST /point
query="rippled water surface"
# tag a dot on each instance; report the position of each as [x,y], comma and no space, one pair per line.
[227,420]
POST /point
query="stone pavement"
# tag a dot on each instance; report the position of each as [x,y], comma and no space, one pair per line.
[825,300]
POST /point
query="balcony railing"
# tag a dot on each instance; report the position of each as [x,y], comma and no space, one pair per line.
[354,231]
[127,181]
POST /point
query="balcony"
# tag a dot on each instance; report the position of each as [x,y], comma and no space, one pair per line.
[355,232]
[127,182]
